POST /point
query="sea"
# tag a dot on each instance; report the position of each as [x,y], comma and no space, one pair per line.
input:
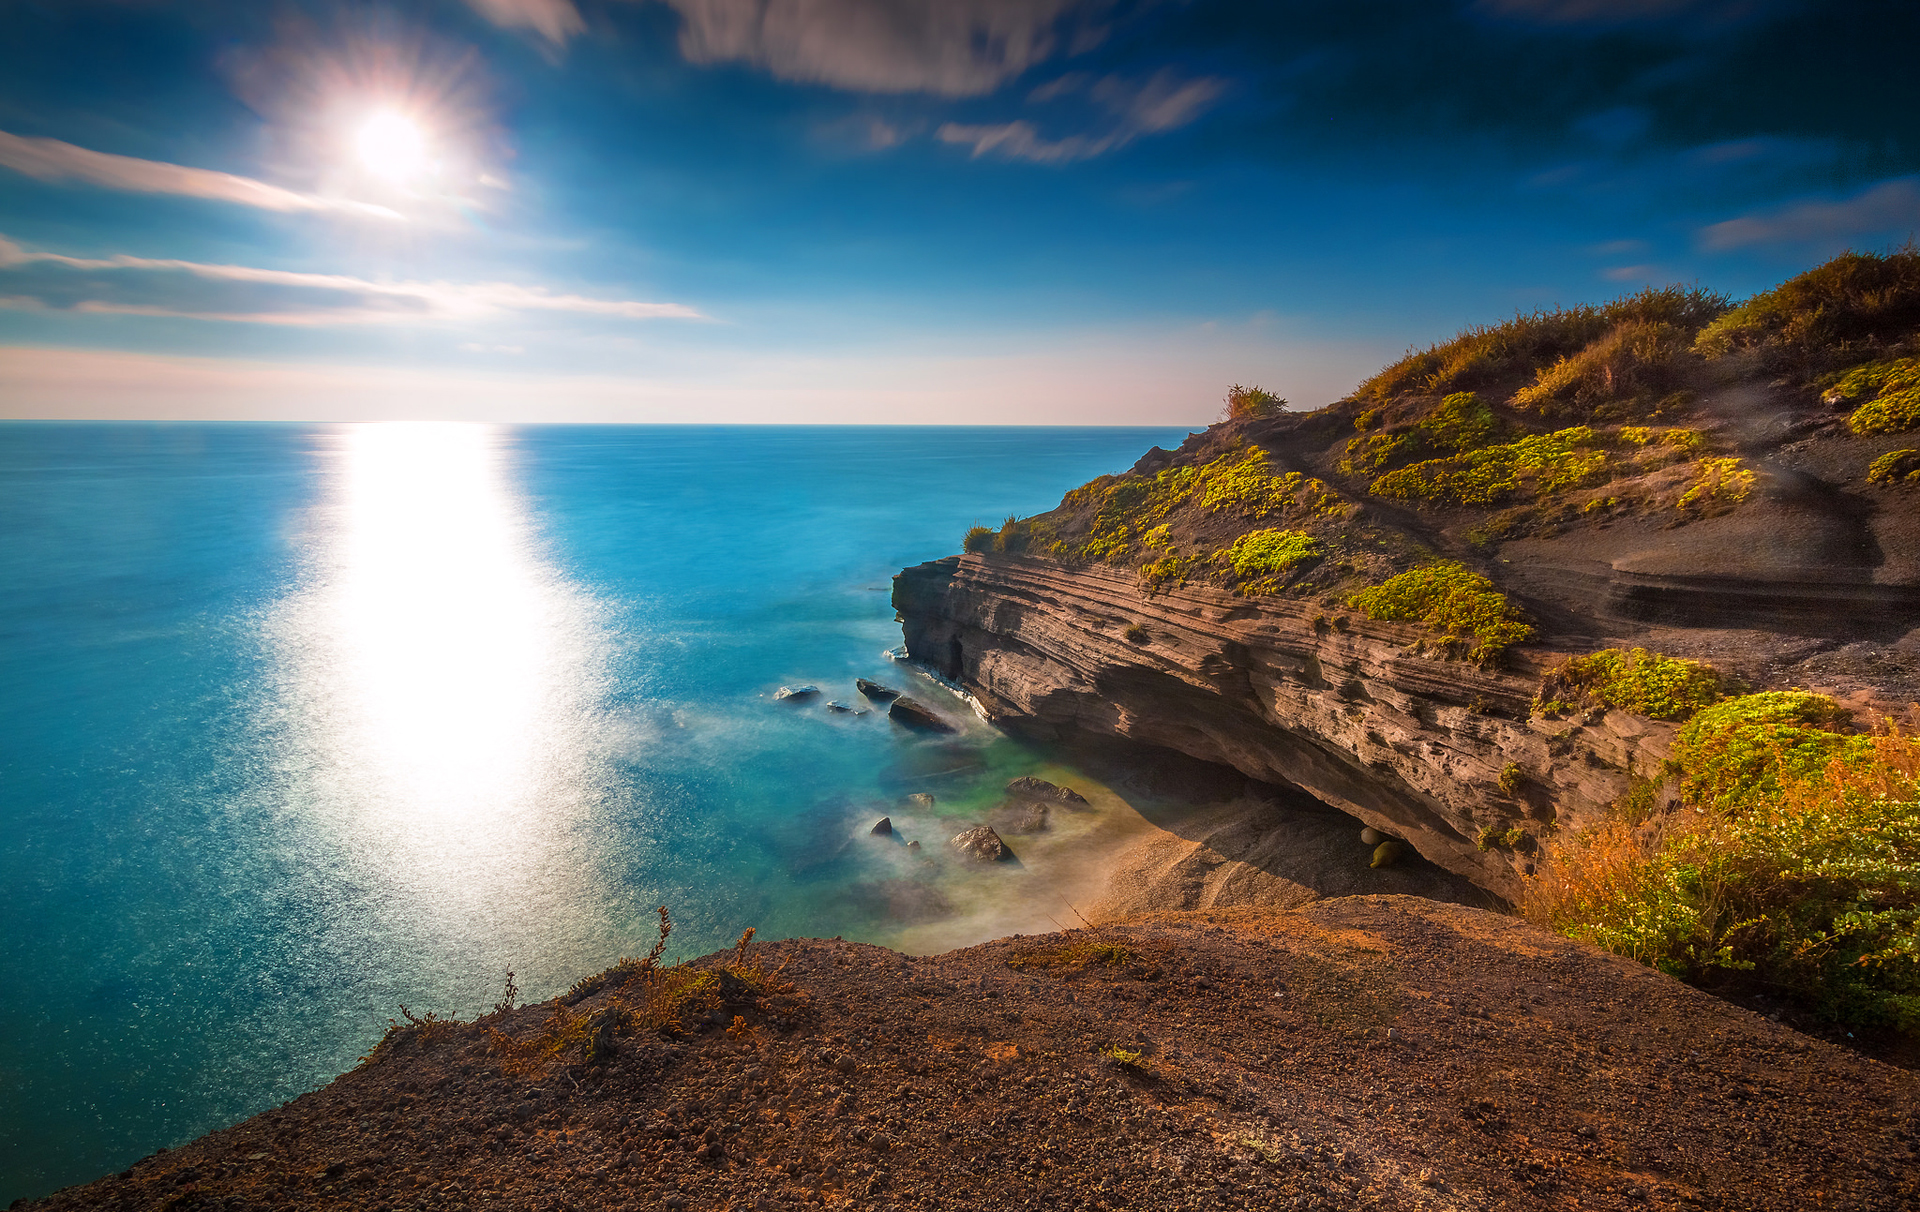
[303,724]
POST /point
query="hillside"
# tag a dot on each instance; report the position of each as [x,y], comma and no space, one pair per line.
[1612,610]
[1362,1052]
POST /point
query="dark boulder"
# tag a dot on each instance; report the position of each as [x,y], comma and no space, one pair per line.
[913,715]
[882,827]
[843,709]
[875,690]
[796,693]
[981,845]
[1030,788]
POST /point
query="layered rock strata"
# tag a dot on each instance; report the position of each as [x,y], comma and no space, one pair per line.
[1352,711]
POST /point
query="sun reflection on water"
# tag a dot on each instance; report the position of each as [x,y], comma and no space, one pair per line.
[442,679]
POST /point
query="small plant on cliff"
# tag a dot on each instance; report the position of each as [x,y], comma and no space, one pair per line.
[1781,874]
[1511,777]
[979,540]
[1451,600]
[1245,403]
[1541,464]
[1645,683]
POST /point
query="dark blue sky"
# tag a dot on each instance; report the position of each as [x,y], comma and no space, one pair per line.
[1061,211]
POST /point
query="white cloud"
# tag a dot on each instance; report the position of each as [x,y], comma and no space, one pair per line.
[52,160]
[1888,208]
[554,20]
[951,48]
[146,286]
[1162,103]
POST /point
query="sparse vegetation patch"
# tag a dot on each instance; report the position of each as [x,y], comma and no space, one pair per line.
[1451,600]
[1633,679]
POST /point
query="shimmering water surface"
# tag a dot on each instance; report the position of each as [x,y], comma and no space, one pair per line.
[301,723]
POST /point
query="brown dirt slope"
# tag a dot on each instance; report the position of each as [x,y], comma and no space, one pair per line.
[1364,1052]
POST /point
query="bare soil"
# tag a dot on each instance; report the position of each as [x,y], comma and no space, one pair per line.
[1361,1052]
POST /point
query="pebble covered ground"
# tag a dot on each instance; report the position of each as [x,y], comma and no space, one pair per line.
[1361,1052]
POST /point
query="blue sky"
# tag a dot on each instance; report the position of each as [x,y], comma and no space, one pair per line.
[996,211]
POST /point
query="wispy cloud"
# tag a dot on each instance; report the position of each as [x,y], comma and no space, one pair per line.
[1162,103]
[554,20]
[52,160]
[950,48]
[146,286]
[1885,209]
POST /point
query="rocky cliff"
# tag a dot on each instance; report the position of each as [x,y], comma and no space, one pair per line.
[1437,751]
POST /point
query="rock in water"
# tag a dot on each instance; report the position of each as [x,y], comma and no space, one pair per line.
[875,690]
[921,799]
[882,827]
[1030,788]
[1372,836]
[982,845]
[1020,816]
[796,693]
[913,715]
[1387,853]
[842,709]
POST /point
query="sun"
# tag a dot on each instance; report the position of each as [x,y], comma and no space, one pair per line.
[392,146]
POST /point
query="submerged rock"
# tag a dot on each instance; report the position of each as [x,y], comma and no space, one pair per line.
[911,714]
[839,708]
[1020,816]
[875,690]
[1029,788]
[921,799]
[882,827]
[982,845]
[796,693]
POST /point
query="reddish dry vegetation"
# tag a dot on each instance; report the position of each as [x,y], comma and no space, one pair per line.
[1365,1052]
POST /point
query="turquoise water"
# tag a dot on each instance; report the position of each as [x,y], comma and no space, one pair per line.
[301,723]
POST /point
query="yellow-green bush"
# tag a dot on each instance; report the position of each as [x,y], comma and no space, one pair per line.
[1895,467]
[1451,600]
[1751,746]
[1891,394]
[1264,553]
[1722,482]
[1368,454]
[979,539]
[1546,463]
[1461,422]
[1645,683]
[1808,886]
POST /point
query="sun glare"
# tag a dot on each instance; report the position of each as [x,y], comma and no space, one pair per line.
[392,146]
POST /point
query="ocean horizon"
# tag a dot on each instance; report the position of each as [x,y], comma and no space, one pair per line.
[307,722]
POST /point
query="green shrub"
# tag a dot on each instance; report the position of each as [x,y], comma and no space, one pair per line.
[1458,423]
[1811,888]
[1645,683]
[1511,777]
[1546,462]
[1451,600]
[1894,388]
[979,539]
[1368,454]
[1723,482]
[1748,747]
[1245,403]
[1269,552]
[1825,315]
[1895,467]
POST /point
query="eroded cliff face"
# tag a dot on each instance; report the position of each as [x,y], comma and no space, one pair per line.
[1285,691]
